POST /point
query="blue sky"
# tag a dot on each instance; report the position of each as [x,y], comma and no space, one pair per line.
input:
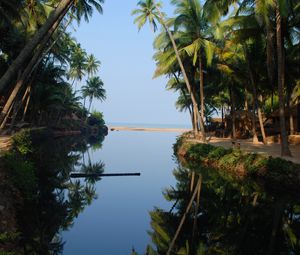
[127,67]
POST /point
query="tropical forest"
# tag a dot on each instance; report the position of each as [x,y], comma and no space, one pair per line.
[149,127]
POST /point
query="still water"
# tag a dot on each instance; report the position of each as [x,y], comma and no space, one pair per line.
[113,215]
[119,219]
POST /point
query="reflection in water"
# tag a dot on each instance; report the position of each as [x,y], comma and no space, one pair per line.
[234,217]
[54,200]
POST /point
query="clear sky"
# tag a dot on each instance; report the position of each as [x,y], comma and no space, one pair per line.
[127,67]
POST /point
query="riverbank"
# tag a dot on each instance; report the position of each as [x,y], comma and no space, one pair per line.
[241,160]
[259,148]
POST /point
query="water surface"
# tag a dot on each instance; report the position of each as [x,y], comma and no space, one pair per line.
[112,215]
[119,219]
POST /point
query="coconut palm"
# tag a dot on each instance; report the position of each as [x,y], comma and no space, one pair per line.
[150,11]
[92,65]
[94,89]
[78,64]
[191,20]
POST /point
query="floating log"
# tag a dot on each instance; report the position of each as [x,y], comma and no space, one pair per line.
[81,175]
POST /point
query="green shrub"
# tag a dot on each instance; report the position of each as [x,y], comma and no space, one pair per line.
[199,151]
[96,118]
[22,142]
[218,152]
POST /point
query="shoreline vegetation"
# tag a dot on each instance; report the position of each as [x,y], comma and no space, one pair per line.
[277,172]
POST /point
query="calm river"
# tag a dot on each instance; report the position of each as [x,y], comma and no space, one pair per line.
[119,218]
[116,215]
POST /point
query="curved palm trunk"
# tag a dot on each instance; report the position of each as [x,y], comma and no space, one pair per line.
[202,128]
[33,43]
[6,117]
[27,103]
[186,99]
[179,62]
[29,68]
[256,104]
[261,122]
[285,151]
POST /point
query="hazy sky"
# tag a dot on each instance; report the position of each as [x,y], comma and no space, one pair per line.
[127,67]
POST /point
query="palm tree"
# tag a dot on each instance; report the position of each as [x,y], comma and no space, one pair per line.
[78,65]
[83,7]
[150,11]
[92,65]
[285,151]
[56,15]
[94,89]
[191,20]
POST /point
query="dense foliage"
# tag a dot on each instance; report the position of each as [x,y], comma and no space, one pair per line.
[230,57]
[42,65]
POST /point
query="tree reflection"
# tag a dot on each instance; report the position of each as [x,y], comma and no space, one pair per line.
[55,200]
[235,217]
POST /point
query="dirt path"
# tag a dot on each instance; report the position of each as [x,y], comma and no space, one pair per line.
[247,145]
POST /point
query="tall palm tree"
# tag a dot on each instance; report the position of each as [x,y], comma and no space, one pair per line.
[150,11]
[78,65]
[192,21]
[92,65]
[94,89]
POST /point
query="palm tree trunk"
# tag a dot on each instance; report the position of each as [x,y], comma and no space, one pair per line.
[91,99]
[28,70]
[55,41]
[179,60]
[203,135]
[270,57]
[246,100]
[185,97]
[254,139]
[261,122]
[285,151]
[33,43]
[290,111]
[256,104]
[27,103]
[2,126]
[233,114]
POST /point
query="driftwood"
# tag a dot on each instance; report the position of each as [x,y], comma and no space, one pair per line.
[82,175]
